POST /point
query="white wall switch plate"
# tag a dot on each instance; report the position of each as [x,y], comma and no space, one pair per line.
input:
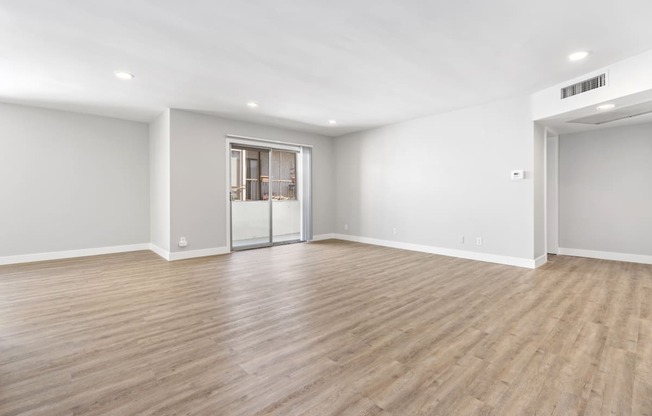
[518,175]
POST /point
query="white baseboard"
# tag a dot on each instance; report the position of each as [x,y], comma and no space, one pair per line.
[470,255]
[191,254]
[320,237]
[57,255]
[606,255]
[181,255]
[161,252]
[540,261]
[85,252]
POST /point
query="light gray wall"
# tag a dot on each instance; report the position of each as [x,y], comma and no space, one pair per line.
[198,176]
[605,190]
[159,173]
[552,200]
[442,176]
[539,182]
[71,181]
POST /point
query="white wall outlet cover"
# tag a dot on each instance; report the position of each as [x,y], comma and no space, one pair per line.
[183,242]
[518,175]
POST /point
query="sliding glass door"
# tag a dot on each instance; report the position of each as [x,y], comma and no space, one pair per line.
[265,205]
[286,207]
[250,209]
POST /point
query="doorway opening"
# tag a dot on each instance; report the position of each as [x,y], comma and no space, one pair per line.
[268,193]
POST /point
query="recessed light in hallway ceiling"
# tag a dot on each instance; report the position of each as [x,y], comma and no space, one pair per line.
[124,75]
[605,107]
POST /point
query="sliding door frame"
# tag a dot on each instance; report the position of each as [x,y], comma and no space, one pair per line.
[304,182]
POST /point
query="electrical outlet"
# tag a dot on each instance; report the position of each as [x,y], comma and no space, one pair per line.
[346,227]
[478,241]
[460,239]
[183,242]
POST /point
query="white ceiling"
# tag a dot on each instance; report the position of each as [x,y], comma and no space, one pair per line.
[363,63]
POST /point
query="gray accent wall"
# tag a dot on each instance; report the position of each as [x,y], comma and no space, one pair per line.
[71,181]
[198,188]
[605,190]
[437,178]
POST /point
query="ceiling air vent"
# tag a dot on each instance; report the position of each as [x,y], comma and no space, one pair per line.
[584,86]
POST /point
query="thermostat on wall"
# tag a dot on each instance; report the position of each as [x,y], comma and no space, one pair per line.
[518,175]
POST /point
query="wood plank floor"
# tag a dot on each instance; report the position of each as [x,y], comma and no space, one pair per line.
[328,328]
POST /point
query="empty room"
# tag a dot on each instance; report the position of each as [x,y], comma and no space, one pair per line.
[387,208]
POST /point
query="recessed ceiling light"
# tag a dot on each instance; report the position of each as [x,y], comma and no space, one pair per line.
[124,75]
[578,56]
[332,122]
[252,104]
[605,107]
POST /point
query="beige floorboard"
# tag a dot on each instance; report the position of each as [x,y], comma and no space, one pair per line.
[327,328]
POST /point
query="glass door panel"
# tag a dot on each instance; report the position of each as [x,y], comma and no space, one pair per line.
[250,205]
[286,207]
